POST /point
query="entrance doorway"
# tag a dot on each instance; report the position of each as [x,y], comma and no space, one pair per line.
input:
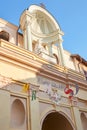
[56,121]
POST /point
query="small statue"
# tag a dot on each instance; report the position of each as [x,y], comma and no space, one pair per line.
[39,48]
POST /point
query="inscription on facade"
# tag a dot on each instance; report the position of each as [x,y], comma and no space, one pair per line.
[50,83]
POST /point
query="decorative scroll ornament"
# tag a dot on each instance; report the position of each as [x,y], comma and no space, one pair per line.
[71,92]
[54,95]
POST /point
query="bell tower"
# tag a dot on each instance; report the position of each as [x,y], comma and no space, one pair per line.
[41,32]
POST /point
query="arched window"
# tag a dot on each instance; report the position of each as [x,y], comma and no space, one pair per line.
[56,57]
[4,35]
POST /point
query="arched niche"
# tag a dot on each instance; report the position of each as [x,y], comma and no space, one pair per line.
[17,113]
[42,24]
[44,19]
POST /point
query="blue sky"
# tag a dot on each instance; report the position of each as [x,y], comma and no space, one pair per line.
[70,14]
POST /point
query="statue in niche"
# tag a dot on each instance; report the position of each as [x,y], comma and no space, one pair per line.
[39,48]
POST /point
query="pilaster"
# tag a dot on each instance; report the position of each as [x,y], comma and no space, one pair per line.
[25,25]
[50,49]
[61,51]
[28,33]
[77,118]
[25,39]
[34,110]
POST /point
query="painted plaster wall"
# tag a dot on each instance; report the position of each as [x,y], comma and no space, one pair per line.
[4,110]
[68,61]
[17,73]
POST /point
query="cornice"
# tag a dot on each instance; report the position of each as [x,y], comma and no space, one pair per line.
[27,60]
[22,57]
[53,34]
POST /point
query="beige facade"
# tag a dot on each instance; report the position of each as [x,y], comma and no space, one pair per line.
[35,71]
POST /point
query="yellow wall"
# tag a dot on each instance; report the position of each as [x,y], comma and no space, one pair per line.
[17,73]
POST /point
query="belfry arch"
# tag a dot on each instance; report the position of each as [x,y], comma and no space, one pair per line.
[56,121]
[41,29]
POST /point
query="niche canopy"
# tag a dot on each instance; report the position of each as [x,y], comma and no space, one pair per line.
[42,24]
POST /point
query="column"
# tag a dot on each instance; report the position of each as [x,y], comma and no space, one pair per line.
[25,39]
[77,118]
[61,51]
[50,48]
[28,33]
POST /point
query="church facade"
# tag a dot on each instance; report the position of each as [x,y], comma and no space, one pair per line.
[42,86]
